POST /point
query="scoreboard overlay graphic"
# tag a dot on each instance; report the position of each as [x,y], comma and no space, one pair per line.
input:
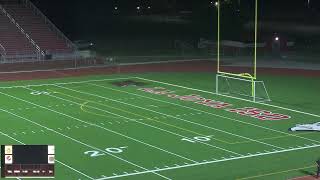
[27,161]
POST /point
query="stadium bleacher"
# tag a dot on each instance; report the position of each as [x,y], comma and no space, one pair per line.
[36,28]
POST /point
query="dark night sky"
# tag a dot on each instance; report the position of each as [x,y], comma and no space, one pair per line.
[82,15]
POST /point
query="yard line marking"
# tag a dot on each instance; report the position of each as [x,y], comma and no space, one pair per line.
[80,142]
[209,162]
[95,125]
[146,118]
[60,162]
[72,82]
[284,108]
[83,105]
[150,119]
[130,119]
[191,122]
[224,117]
[128,137]
[217,147]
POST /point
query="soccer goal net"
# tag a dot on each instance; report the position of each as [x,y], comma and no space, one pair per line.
[243,88]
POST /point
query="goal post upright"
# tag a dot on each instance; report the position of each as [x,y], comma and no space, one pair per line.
[255,40]
[254,73]
[244,76]
[218,38]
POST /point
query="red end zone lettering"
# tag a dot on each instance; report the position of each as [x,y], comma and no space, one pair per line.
[156,90]
[246,111]
[214,104]
[259,113]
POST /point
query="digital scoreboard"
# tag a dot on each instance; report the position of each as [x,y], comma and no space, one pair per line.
[27,161]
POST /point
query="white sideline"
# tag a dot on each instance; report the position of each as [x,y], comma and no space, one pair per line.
[71,82]
[210,162]
[199,90]
[55,159]
[187,107]
[79,142]
[191,122]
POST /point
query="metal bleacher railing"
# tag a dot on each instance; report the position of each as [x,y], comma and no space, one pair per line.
[2,53]
[39,52]
[36,11]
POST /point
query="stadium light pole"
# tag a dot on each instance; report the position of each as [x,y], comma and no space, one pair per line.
[218,38]
[255,39]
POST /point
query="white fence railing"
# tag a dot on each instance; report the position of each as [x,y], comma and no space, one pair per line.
[2,51]
[54,28]
[40,53]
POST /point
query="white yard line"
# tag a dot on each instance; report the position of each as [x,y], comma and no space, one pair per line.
[73,169]
[75,140]
[199,90]
[211,162]
[191,122]
[71,82]
[176,134]
[206,112]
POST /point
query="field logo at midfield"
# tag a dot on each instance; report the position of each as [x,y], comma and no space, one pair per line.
[247,111]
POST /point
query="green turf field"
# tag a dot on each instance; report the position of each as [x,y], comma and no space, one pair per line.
[103,131]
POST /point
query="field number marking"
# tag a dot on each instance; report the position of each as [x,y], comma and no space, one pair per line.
[94,153]
[115,150]
[110,150]
[37,93]
[197,139]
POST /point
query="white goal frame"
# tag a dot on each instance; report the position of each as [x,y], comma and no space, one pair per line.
[253,83]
